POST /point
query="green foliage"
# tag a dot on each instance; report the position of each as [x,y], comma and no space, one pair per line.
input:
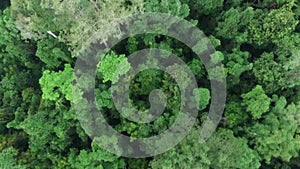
[277,135]
[256,41]
[179,156]
[19,74]
[256,101]
[104,99]
[228,151]
[205,7]
[292,69]
[73,22]
[57,84]
[223,150]
[52,129]
[172,7]
[204,97]
[236,64]
[269,72]
[112,66]
[197,68]
[273,25]
[258,26]
[234,113]
[14,53]
[8,161]
[233,23]
[51,53]
[96,158]
[140,87]
[137,163]
[146,81]
[33,20]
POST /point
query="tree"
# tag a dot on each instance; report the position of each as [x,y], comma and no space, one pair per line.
[56,84]
[236,64]
[269,72]
[272,26]
[113,66]
[76,22]
[256,102]
[256,41]
[7,158]
[205,7]
[172,7]
[233,22]
[52,53]
[276,136]
[95,158]
[223,150]
[204,97]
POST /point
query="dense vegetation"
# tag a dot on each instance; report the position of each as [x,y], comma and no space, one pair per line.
[257,40]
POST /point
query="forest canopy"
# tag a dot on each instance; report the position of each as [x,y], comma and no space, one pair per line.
[257,42]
